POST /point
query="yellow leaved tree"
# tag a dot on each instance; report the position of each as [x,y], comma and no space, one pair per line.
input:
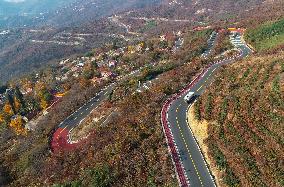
[8,109]
[18,126]
[43,104]
[17,104]
[43,94]
[2,119]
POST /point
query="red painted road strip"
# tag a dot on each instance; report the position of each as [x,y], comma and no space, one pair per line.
[170,139]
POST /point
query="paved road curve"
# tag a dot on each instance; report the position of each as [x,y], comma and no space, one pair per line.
[61,137]
[191,159]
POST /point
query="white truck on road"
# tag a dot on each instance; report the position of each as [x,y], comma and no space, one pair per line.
[188,97]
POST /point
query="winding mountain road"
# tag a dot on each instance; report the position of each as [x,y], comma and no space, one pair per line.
[190,165]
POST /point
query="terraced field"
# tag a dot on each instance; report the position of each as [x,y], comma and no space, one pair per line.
[244,107]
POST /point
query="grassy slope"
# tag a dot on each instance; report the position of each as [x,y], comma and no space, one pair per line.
[267,36]
[244,108]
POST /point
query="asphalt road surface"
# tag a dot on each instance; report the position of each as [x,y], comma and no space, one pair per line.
[77,117]
[195,168]
[61,137]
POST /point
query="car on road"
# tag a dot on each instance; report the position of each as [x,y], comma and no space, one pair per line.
[189,96]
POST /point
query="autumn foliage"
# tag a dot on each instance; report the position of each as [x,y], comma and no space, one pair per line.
[18,126]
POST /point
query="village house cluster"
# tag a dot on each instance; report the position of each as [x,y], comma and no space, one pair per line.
[102,64]
[109,64]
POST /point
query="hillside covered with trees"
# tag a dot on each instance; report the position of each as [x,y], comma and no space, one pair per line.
[131,149]
[243,107]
